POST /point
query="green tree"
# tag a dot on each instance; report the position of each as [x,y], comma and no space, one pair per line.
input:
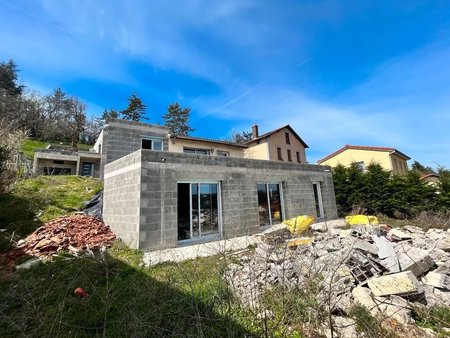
[177,120]
[135,110]
[419,167]
[9,83]
[242,137]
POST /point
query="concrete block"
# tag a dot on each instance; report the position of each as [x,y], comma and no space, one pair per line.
[395,284]
[413,259]
[438,280]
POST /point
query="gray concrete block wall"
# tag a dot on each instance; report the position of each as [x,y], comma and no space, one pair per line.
[140,202]
[121,137]
[121,198]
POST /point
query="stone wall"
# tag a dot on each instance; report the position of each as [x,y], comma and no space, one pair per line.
[159,173]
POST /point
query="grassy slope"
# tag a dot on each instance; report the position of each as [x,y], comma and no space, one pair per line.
[30,146]
[40,199]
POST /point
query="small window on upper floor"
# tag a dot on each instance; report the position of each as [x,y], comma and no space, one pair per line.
[289,155]
[152,143]
[280,155]
[223,153]
[287,138]
[298,157]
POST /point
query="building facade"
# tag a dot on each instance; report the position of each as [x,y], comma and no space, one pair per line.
[388,158]
[157,199]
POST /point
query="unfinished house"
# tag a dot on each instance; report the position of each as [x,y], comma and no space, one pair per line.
[62,161]
[163,191]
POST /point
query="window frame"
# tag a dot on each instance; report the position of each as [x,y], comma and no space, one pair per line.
[196,151]
[289,155]
[152,139]
[286,135]
[279,154]
[298,157]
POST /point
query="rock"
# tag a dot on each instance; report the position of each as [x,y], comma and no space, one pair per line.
[413,259]
[365,246]
[386,253]
[29,263]
[395,307]
[345,327]
[437,280]
[299,241]
[331,244]
[395,284]
[319,227]
[363,296]
[398,235]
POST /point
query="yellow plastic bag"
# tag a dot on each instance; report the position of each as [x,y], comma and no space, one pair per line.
[299,224]
[361,219]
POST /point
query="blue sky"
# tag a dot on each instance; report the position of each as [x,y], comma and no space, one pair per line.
[339,72]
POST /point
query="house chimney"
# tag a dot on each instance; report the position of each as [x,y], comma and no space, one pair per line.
[255,131]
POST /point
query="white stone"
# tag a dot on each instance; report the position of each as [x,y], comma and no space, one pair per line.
[413,259]
[437,280]
[395,284]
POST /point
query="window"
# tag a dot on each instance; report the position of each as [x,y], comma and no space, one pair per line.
[152,143]
[298,157]
[223,153]
[269,203]
[280,156]
[289,155]
[360,165]
[287,138]
[58,162]
[196,151]
[198,210]
[318,200]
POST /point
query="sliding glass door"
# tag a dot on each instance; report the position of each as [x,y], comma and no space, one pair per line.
[269,203]
[198,210]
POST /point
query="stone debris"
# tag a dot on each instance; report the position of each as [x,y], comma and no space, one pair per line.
[438,280]
[389,271]
[394,284]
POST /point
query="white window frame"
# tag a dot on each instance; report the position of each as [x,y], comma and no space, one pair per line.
[208,151]
[223,153]
[153,139]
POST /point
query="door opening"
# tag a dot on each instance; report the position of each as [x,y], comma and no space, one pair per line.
[269,203]
[198,210]
[318,200]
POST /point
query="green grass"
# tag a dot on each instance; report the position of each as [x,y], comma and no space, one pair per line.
[125,300]
[40,199]
[436,318]
[29,146]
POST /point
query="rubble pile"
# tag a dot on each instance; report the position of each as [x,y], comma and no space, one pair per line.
[390,271]
[72,233]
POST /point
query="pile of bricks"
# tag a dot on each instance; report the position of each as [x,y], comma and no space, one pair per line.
[76,232]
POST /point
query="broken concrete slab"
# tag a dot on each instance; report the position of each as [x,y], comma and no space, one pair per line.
[398,235]
[319,227]
[386,253]
[413,259]
[437,280]
[395,284]
[364,246]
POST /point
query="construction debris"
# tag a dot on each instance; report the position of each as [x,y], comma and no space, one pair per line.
[390,271]
[395,284]
[77,234]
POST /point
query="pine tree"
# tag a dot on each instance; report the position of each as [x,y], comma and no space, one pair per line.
[177,120]
[135,110]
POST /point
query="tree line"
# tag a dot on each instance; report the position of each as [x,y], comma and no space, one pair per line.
[59,116]
[377,191]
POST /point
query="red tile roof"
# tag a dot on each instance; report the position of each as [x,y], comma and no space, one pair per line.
[348,146]
[200,139]
[277,130]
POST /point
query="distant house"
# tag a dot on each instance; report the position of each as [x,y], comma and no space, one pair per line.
[431,179]
[282,144]
[390,159]
[62,161]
